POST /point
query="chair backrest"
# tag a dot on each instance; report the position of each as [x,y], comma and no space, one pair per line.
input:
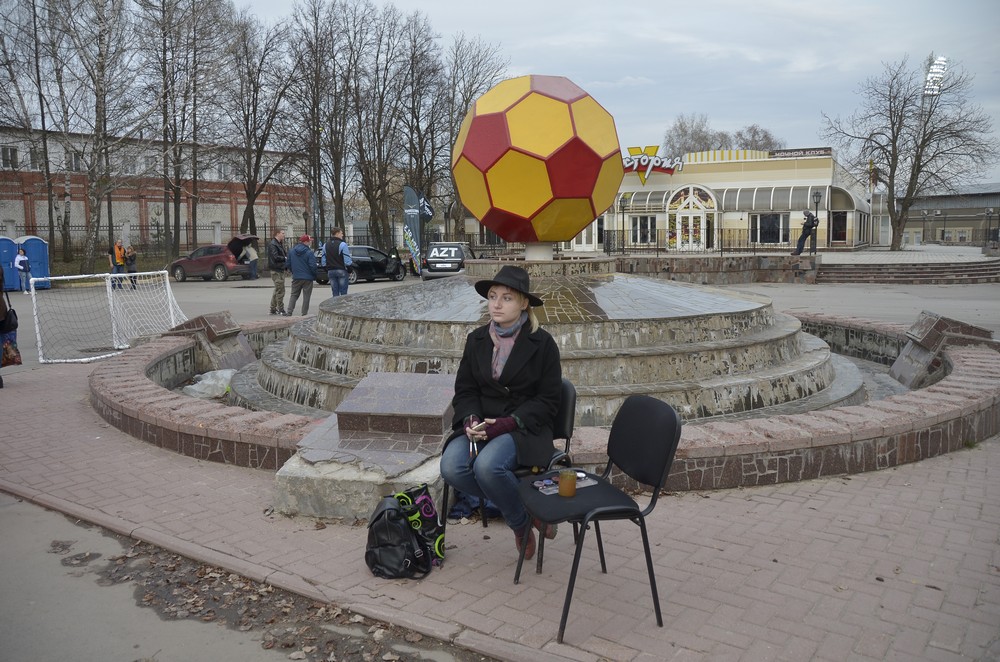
[562,427]
[644,438]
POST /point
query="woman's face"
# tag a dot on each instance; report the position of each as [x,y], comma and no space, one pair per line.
[506,305]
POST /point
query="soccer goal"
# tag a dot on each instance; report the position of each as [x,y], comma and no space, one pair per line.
[86,318]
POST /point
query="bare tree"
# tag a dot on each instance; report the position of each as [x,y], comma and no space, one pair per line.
[316,42]
[21,57]
[352,19]
[102,34]
[915,137]
[756,137]
[692,133]
[208,21]
[472,67]
[376,93]
[255,99]
[425,117]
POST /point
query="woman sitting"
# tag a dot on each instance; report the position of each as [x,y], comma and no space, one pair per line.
[507,392]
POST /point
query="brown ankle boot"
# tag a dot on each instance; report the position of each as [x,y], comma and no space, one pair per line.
[547,530]
[526,537]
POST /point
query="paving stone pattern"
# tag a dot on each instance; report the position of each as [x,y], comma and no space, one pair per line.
[900,564]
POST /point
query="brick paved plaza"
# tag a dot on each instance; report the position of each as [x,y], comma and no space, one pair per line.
[902,564]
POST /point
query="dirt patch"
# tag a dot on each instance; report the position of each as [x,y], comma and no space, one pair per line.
[302,629]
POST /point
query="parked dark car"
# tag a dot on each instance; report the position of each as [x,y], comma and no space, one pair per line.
[213,261]
[445,259]
[368,263]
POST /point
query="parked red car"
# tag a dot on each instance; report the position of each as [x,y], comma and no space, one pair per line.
[213,261]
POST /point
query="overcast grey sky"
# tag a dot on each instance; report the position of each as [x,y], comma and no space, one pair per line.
[777,63]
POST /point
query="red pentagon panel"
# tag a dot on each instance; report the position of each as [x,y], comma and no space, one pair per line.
[492,140]
[557,87]
[509,226]
[573,170]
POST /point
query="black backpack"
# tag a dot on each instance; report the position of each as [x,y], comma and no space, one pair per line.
[394,550]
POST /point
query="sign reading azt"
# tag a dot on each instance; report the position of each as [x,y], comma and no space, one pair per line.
[537,159]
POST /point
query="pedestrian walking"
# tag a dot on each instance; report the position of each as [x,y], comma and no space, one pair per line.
[23,267]
[302,262]
[277,260]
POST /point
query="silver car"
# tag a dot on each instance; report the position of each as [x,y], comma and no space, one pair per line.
[445,259]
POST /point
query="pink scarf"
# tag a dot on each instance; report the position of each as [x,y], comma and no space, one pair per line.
[503,343]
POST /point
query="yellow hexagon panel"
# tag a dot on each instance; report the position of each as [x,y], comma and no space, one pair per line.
[472,183]
[503,95]
[595,126]
[608,182]
[550,222]
[463,134]
[539,124]
[519,184]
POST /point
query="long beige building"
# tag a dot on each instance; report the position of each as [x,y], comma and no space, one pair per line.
[734,199]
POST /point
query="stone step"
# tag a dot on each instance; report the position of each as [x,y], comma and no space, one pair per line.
[809,373]
[774,344]
[848,388]
[949,273]
[843,389]
[245,391]
[352,325]
[802,370]
[300,384]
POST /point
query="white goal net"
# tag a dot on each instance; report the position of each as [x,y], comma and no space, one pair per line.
[85,318]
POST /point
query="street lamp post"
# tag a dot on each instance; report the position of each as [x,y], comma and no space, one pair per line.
[923,235]
[812,240]
[622,205]
[392,219]
[989,225]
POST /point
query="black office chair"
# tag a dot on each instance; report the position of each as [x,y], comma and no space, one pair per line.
[642,443]
[562,429]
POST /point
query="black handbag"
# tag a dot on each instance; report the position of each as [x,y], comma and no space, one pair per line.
[394,550]
[9,322]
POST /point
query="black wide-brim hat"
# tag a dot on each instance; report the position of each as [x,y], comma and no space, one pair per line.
[513,277]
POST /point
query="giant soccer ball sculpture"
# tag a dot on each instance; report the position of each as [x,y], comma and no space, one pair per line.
[537,159]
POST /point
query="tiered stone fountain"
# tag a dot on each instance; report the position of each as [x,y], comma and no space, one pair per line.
[708,352]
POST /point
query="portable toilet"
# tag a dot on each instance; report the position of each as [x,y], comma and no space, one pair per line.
[37,250]
[8,250]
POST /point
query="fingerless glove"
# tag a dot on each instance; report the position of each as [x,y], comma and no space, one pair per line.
[501,426]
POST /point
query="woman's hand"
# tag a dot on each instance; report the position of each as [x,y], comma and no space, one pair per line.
[477,432]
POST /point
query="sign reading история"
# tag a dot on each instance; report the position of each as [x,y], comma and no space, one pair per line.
[643,161]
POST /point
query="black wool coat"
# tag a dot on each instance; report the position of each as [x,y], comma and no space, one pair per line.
[529,388]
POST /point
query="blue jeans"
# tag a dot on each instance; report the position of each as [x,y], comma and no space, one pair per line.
[116,282]
[488,476]
[338,281]
[253,269]
[25,276]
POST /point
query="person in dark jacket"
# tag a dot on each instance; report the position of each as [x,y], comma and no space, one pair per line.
[302,261]
[276,259]
[3,308]
[507,393]
[808,227]
[338,261]
[131,264]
